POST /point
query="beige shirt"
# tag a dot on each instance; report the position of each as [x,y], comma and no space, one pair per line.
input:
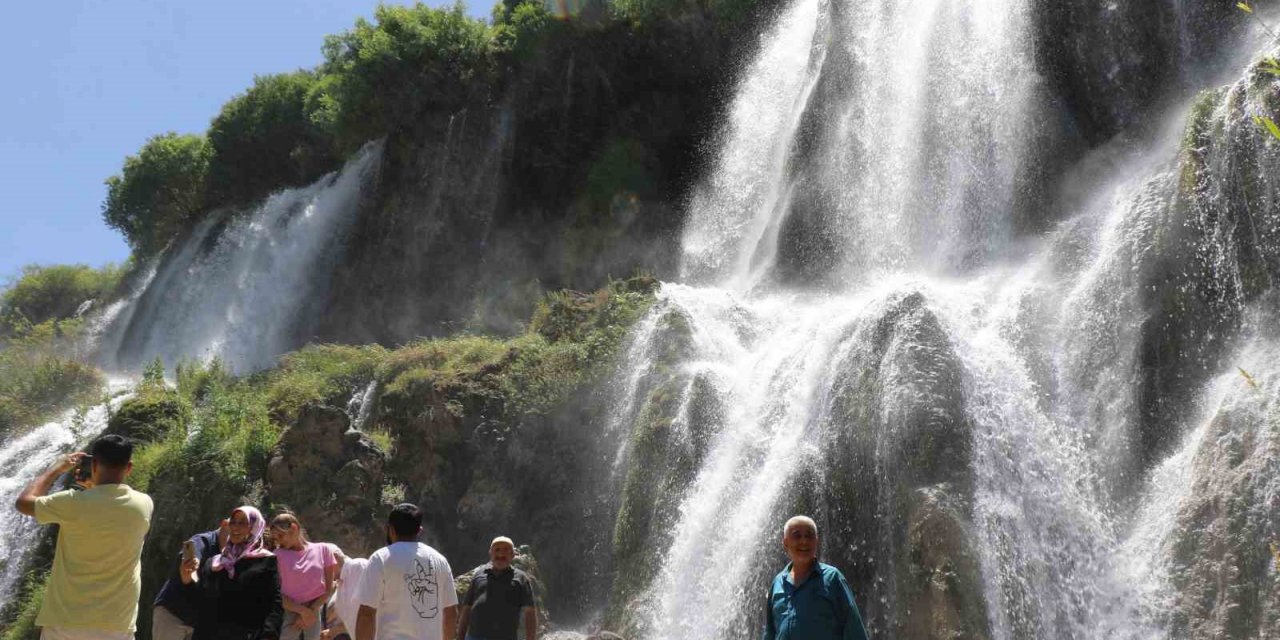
[97,574]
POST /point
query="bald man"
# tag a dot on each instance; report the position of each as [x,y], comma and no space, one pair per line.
[810,600]
[499,596]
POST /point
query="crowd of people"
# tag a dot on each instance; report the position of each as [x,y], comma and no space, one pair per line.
[254,579]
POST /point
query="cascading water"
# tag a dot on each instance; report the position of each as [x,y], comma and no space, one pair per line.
[873,341]
[901,146]
[243,289]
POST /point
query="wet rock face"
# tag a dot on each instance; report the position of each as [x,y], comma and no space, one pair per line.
[897,477]
[332,477]
[808,247]
[662,457]
[1108,62]
[1219,253]
[1226,580]
[942,571]
[573,168]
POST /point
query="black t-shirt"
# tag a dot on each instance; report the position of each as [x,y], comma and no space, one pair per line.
[496,598]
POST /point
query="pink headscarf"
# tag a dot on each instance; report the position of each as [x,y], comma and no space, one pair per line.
[251,548]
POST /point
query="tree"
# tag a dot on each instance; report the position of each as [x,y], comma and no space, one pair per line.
[413,61]
[159,192]
[264,139]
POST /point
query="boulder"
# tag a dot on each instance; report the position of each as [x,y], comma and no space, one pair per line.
[332,477]
[1226,582]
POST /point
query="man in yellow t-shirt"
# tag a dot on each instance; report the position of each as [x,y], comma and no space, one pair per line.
[94,587]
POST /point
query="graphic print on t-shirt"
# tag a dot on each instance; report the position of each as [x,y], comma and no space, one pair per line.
[423,592]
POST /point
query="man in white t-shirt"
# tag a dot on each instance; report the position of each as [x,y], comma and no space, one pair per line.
[407,589]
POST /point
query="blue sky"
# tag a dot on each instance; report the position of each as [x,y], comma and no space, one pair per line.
[86,83]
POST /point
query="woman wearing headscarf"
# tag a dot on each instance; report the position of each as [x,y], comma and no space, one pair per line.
[240,587]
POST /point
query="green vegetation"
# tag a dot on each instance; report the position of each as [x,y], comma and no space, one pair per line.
[409,69]
[40,374]
[43,293]
[382,76]
[325,374]
[23,626]
[265,138]
[568,334]
[160,192]
[41,371]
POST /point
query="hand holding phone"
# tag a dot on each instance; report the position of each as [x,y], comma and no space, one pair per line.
[188,551]
[84,468]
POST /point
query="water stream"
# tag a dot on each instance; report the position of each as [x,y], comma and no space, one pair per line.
[864,335]
[243,288]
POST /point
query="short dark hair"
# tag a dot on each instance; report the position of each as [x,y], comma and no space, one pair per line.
[111,450]
[406,520]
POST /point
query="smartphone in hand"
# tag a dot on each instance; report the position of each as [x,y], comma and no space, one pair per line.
[84,469]
[188,551]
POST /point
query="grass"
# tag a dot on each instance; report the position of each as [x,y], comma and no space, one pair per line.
[40,374]
[24,626]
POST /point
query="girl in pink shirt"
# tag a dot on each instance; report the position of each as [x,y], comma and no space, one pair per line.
[307,576]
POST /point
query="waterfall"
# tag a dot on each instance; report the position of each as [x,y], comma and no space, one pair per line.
[243,288]
[868,331]
[891,134]
[360,406]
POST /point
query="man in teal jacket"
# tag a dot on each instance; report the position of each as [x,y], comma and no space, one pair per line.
[810,600]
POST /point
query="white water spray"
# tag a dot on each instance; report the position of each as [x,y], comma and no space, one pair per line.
[244,289]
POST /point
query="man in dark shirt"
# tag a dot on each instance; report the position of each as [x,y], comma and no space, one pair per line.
[498,597]
[173,616]
[810,600]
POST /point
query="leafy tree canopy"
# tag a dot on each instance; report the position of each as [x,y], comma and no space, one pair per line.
[159,192]
[264,138]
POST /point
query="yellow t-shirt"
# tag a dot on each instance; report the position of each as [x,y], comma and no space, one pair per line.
[97,573]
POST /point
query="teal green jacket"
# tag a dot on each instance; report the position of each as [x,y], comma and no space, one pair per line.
[821,608]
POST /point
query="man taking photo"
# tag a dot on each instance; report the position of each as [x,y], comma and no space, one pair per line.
[96,580]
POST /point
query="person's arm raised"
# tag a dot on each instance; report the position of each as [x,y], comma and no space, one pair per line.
[189,571]
[40,485]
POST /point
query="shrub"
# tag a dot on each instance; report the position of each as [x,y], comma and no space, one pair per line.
[388,74]
[326,373]
[160,191]
[40,375]
[264,139]
[44,293]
